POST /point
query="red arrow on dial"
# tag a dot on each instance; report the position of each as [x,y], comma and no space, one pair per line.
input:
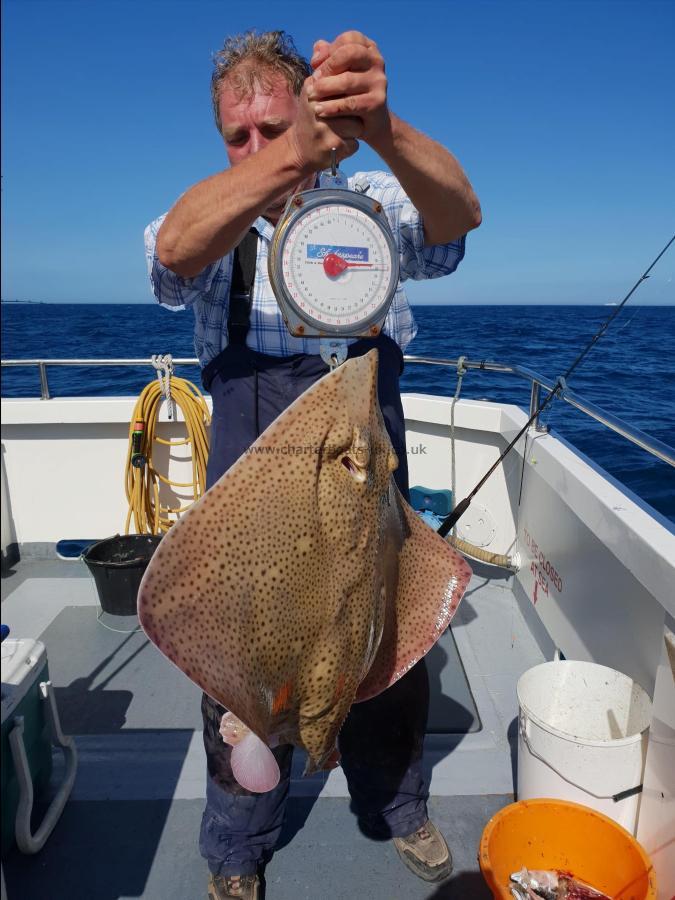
[335,265]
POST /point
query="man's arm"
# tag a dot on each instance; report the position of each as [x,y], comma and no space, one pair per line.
[212,216]
[349,80]
[433,179]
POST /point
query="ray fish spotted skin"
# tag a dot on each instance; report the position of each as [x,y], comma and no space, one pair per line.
[302,582]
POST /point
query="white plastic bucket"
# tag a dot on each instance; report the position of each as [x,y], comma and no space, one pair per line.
[582,736]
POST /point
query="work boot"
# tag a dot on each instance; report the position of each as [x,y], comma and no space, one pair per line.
[244,887]
[425,853]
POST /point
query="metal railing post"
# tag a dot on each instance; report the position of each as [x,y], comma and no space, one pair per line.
[44,384]
[534,406]
[534,403]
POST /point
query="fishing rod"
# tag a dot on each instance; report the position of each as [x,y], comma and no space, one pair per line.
[560,385]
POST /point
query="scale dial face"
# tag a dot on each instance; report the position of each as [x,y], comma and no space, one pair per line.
[335,265]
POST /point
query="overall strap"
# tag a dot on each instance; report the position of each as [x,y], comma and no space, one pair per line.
[241,289]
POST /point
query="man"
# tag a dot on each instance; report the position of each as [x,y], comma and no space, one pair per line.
[280,118]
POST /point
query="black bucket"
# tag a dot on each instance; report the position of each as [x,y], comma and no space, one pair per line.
[117,564]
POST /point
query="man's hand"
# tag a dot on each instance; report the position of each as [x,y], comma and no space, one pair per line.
[349,80]
[312,138]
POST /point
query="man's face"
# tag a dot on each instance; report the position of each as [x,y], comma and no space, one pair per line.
[251,123]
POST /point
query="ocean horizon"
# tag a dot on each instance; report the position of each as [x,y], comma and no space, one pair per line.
[450,303]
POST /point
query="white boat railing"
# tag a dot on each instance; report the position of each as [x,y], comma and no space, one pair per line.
[652,445]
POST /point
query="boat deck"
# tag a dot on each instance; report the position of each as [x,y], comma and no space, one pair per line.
[130,827]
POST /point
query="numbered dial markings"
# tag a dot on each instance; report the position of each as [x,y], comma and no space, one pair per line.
[337,264]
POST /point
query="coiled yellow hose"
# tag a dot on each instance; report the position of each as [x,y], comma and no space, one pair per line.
[142,482]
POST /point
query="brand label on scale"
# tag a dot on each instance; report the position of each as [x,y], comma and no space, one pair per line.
[353,254]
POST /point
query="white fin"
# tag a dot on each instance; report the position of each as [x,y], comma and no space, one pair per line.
[254,765]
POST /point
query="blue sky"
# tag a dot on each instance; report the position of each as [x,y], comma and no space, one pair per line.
[560,112]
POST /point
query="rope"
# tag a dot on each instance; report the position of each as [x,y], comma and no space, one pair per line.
[142,480]
[163,365]
[495,559]
[461,372]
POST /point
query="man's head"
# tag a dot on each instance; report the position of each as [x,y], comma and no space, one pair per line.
[253,63]
[255,88]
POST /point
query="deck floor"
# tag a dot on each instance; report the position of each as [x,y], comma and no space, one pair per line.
[130,828]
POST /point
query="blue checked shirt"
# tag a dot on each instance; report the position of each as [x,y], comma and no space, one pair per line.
[208,293]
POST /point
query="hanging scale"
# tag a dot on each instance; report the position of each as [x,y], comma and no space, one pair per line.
[333,265]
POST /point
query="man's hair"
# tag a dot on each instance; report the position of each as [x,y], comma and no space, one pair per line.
[253,60]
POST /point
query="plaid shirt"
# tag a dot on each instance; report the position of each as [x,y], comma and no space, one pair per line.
[208,293]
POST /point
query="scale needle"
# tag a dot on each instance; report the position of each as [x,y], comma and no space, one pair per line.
[335,265]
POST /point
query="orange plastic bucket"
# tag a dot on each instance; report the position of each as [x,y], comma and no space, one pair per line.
[556,834]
